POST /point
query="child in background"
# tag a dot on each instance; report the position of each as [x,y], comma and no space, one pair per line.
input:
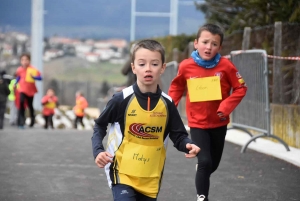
[49,102]
[4,91]
[208,115]
[81,105]
[142,118]
[13,112]
[26,77]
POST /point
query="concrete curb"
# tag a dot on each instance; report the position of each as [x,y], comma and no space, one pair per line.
[265,146]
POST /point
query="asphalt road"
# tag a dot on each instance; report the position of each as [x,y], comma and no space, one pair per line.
[57,165]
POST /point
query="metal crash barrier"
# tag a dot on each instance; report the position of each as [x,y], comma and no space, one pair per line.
[253,113]
[166,79]
[169,74]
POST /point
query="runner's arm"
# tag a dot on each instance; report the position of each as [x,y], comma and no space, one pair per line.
[178,86]
[108,115]
[178,133]
[239,90]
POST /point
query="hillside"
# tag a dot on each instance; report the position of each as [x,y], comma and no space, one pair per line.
[76,69]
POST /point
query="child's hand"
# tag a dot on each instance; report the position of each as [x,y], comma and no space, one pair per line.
[222,116]
[194,150]
[103,158]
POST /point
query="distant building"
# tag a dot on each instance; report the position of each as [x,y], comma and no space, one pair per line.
[111,43]
[89,42]
[7,49]
[118,43]
[102,44]
[92,57]
[82,49]
[105,53]
[52,54]
[21,37]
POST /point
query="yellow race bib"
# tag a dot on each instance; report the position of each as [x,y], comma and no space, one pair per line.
[204,89]
[50,105]
[29,73]
[141,161]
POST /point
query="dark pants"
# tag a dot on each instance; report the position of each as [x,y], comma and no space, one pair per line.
[48,120]
[211,142]
[78,119]
[21,113]
[123,192]
[2,112]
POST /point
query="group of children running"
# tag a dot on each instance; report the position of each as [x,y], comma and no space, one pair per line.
[21,94]
[142,118]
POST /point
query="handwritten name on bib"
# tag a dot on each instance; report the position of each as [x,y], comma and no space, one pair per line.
[141,161]
[204,89]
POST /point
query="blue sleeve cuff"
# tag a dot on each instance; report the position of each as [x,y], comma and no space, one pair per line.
[37,77]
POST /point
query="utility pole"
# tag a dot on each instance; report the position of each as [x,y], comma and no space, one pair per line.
[37,45]
[132,27]
[174,17]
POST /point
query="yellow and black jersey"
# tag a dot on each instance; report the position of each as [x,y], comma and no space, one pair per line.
[140,126]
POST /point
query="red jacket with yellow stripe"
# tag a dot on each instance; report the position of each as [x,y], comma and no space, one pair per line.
[81,104]
[204,114]
[49,104]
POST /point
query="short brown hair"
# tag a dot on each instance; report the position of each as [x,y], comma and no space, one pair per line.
[151,45]
[214,29]
[26,55]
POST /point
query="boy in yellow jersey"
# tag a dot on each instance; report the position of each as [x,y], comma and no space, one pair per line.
[142,117]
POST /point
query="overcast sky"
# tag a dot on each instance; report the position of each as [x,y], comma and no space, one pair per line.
[98,18]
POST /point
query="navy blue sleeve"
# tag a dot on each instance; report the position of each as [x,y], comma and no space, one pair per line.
[37,77]
[17,79]
[107,116]
[178,133]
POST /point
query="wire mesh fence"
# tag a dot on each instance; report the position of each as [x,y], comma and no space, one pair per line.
[254,110]
[253,113]
[286,83]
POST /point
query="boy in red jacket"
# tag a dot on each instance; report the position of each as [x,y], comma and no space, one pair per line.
[209,79]
[49,102]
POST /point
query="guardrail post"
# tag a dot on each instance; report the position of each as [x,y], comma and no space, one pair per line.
[277,89]
[246,38]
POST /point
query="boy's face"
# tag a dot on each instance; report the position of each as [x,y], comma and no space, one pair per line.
[25,61]
[148,67]
[50,92]
[208,45]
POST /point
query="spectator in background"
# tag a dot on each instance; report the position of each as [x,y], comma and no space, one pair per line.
[81,105]
[49,102]
[17,99]
[26,77]
[6,77]
[12,105]
[4,91]
[127,71]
